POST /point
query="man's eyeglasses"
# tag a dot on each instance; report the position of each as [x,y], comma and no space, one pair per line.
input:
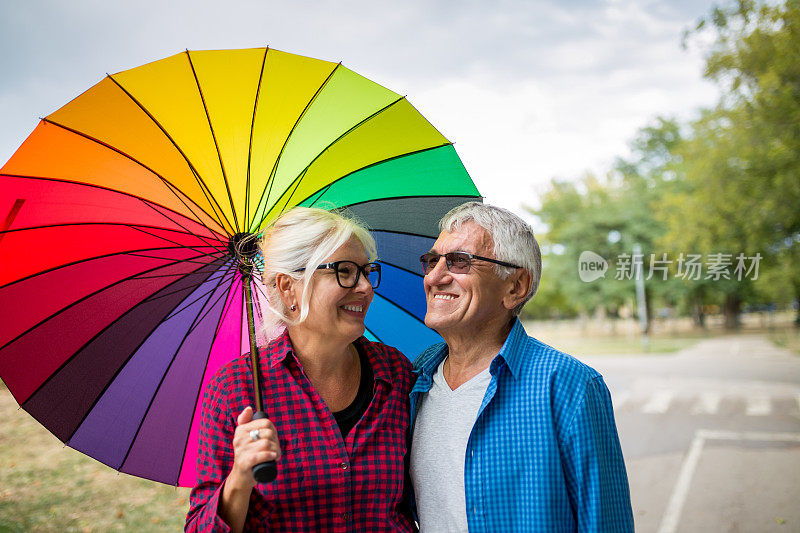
[348,273]
[457,262]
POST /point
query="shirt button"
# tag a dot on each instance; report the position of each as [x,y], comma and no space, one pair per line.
[344,466]
[345,517]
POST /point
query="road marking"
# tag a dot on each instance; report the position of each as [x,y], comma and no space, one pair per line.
[671,518]
[709,434]
[669,522]
[618,400]
[707,404]
[758,406]
[659,402]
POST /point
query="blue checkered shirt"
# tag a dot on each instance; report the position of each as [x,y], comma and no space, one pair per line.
[544,454]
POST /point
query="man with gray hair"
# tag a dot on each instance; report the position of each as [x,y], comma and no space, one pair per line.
[509,434]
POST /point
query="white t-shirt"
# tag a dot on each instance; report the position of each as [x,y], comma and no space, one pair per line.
[438,449]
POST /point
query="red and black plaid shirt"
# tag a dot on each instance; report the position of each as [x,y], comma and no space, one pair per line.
[324,483]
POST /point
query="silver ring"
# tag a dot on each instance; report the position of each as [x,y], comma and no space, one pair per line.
[254,434]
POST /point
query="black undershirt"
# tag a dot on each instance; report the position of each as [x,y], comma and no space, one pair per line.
[347,417]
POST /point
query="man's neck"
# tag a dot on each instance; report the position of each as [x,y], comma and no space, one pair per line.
[470,353]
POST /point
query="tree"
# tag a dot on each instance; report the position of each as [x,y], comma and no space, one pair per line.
[608,217]
[743,167]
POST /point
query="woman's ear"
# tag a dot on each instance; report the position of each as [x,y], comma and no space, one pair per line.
[519,284]
[286,289]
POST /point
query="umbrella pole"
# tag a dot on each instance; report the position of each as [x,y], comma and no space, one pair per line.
[251,333]
[267,471]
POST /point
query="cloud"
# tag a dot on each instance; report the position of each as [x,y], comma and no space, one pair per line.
[527,90]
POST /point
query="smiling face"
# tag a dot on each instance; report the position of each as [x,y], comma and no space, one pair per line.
[464,304]
[335,313]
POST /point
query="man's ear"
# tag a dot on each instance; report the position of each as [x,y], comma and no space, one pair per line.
[518,286]
[286,289]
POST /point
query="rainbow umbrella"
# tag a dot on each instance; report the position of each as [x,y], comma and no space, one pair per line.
[127,221]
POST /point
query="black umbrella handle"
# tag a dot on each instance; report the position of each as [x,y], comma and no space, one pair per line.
[267,471]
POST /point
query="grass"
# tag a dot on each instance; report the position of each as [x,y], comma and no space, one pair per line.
[621,345]
[46,486]
[788,338]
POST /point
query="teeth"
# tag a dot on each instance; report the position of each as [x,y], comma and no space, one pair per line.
[444,297]
[356,308]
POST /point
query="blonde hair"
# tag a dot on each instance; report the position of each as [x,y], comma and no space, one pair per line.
[296,244]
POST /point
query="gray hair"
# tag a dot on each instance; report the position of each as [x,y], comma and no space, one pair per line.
[295,244]
[513,239]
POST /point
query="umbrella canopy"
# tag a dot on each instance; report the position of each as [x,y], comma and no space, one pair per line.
[121,215]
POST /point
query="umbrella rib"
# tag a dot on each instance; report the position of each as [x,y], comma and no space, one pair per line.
[129,252]
[198,320]
[385,262]
[324,190]
[250,144]
[12,214]
[214,234]
[161,276]
[373,334]
[220,280]
[374,164]
[110,381]
[271,178]
[145,256]
[405,233]
[410,197]
[225,309]
[216,145]
[401,308]
[140,228]
[158,387]
[91,185]
[203,187]
[169,185]
[228,305]
[137,227]
[304,172]
[152,298]
[260,288]
[79,300]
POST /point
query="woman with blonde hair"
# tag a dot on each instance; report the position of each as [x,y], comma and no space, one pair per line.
[337,404]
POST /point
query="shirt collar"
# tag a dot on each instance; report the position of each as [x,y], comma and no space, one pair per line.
[510,353]
[281,348]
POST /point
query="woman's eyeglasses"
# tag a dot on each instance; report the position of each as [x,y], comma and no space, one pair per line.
[348,273]
[457,262]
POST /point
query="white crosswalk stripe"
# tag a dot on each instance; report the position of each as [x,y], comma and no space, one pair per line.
[758,406]
[659,402]
[707,404]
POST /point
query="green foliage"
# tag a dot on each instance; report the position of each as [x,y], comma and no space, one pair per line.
[727,182]
[608,217]
[743,160]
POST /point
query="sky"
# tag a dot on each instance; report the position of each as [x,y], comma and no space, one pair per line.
[528,90]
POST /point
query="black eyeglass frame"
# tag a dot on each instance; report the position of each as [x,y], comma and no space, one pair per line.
[449,257]
[360,269]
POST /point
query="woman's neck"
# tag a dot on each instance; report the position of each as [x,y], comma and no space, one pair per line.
[323,358]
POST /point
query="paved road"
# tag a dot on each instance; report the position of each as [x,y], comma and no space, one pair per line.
[711,435]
